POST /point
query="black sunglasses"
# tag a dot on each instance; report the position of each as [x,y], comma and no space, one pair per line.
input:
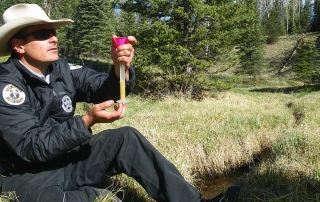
[41,34]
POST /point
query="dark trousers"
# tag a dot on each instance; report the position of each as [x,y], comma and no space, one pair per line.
[110,152]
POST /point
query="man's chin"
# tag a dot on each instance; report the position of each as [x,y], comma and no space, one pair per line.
[48,61]
[54,59]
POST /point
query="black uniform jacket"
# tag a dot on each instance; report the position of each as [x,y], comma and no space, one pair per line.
[37,121]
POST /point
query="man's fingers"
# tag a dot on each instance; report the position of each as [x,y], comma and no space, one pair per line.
[104,105]
[132,40]
[123,112]
[121,108]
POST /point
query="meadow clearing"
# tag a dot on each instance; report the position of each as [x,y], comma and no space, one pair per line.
[218,135]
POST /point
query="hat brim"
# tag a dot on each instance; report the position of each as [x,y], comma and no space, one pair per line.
[8,30]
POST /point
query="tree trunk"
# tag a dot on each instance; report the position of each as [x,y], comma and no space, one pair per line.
[292,54]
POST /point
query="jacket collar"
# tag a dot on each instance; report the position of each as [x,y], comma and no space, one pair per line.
[52,69]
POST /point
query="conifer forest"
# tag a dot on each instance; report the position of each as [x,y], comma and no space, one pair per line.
[184,44]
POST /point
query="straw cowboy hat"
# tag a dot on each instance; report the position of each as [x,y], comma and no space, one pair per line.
[20,16]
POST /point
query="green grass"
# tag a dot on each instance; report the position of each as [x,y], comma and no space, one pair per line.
[3,59]
[208,138]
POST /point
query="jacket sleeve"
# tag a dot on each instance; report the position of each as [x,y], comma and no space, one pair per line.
[23,133]
[96,87]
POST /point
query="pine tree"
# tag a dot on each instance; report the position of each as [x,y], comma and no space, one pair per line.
[251,40]
[316,16]
[272,24]
[92,33]
[63,9]
[305,18]
[307,66]
[179,41]
[126,23]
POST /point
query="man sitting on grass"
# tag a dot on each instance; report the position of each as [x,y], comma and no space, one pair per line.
[47,153]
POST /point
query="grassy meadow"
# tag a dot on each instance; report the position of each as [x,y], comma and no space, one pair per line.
[218,135]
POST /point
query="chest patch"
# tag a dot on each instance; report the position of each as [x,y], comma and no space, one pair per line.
[67,104]
[13,95]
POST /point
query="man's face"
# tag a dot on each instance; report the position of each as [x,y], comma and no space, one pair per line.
[39,50]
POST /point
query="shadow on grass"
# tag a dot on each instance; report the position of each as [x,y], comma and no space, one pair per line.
[276,186]
[213,186]
[290,90]
[267,182]
[262,181]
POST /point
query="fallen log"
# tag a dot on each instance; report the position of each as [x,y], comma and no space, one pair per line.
[284,66]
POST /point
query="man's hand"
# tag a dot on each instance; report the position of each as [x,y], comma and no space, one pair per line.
[98,114]
[123,53]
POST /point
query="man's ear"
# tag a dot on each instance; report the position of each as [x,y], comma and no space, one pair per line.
[17,46]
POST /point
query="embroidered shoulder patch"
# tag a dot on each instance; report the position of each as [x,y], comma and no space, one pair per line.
[67,104]
[74,66]
[13,95]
